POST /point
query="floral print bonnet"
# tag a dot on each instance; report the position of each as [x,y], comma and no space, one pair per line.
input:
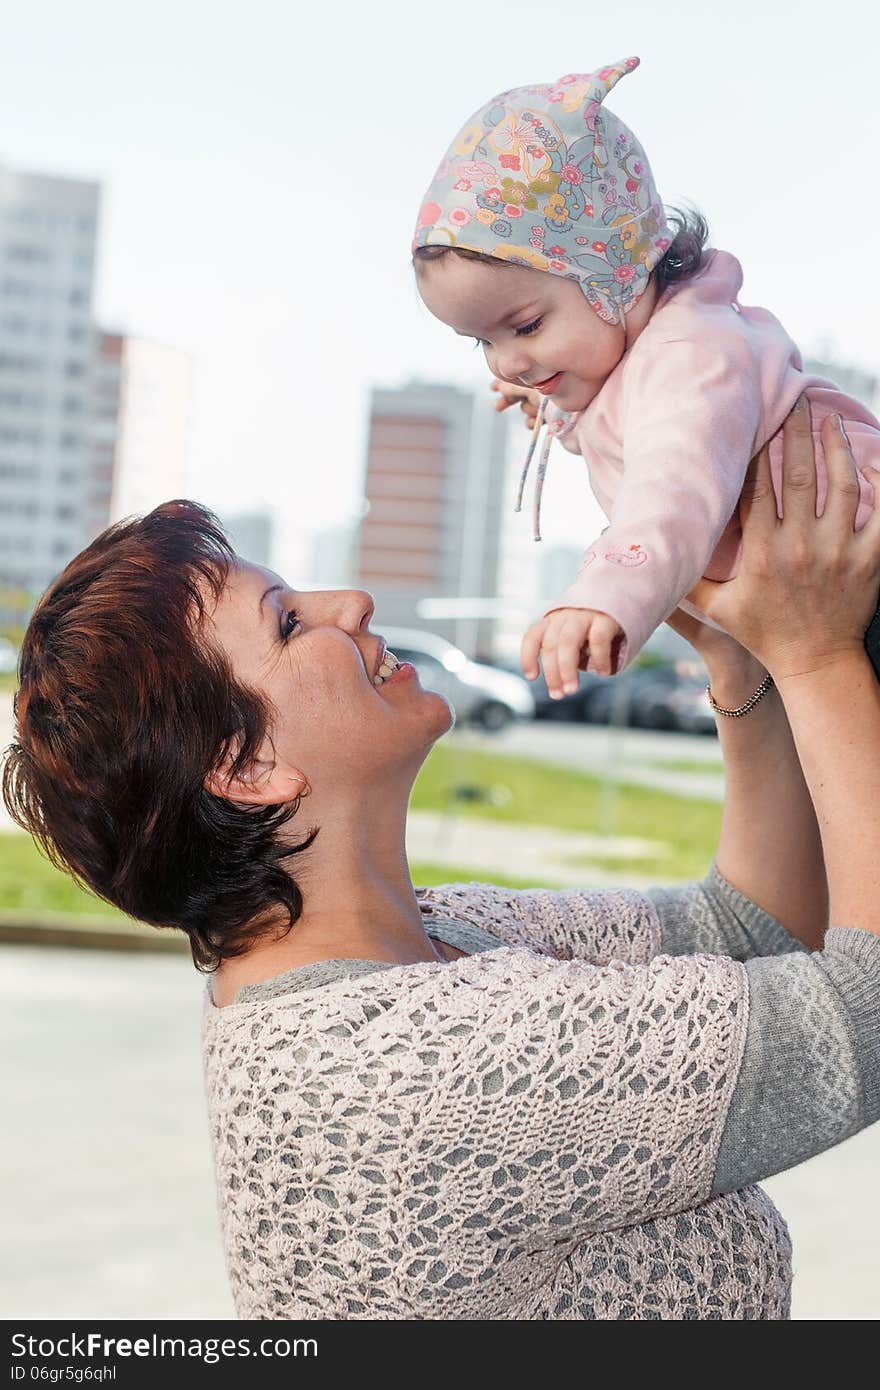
[544,176]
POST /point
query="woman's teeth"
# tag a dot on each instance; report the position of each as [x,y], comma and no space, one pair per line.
[388,667]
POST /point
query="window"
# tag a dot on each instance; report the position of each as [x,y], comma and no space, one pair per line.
[27,252]
[17,436]
[18,289]
[19,362]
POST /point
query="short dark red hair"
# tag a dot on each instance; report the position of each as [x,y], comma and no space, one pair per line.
[123,709]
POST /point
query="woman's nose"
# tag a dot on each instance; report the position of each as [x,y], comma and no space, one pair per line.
[354,609]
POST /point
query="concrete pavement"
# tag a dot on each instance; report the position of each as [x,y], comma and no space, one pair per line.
[107,1187]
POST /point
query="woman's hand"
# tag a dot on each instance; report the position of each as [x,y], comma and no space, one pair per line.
[527,398]
[807,586]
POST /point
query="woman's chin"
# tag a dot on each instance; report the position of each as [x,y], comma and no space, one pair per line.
[441,716]
[446,716]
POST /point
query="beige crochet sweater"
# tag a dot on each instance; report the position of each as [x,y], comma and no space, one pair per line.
[530,1131]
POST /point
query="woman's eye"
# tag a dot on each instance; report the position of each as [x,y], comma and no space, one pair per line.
[528,328]
[480,342]
[289,623]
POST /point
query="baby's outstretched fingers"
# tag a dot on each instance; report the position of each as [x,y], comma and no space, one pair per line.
[574,635]
[531,647]
[563,637]
[603,631]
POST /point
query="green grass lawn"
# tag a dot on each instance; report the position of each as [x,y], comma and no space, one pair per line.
[536,794]
[531,793]
[29,883]
[8,682]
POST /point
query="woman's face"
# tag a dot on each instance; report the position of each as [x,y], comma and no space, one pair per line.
[313,655]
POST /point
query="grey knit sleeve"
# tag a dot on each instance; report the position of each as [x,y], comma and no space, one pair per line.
[810,1073]
[712,916]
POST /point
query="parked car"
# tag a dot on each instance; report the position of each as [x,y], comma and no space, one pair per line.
[691,710]
[575,706]
[656,697]
[633,698]
[478,693]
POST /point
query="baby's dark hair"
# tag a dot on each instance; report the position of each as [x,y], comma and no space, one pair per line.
[686,252]
[682,260]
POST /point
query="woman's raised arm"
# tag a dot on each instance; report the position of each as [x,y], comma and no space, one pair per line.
[766,802]
[812,642]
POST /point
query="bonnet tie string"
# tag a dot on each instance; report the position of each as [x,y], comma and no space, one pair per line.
[540,420]
[545,449]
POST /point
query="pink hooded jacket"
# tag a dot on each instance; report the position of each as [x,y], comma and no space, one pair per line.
[669,437]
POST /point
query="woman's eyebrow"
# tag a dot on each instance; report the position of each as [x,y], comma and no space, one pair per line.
[273,589]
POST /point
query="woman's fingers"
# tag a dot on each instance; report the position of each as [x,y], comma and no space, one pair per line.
[871,530]
[757,502]
[842,501]
[798,465]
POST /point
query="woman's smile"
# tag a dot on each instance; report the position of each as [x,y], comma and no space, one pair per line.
[403,671]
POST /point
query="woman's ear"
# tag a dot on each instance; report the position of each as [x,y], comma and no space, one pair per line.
[261,784]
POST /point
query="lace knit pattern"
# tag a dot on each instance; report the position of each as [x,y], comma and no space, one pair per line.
[569,924]
[511,1135]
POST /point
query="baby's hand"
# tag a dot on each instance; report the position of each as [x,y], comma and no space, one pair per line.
[560,639]
[528,399]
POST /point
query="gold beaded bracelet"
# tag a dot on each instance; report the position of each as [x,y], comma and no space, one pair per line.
[749,704]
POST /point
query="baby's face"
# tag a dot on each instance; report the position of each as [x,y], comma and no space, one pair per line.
[535,328]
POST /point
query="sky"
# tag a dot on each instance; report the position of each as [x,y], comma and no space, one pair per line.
[262,166]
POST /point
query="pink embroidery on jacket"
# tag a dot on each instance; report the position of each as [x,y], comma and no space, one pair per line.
[635,555]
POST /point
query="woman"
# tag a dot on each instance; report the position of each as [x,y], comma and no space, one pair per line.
[473,1102]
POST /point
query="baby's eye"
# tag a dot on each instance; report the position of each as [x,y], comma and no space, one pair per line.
[479,343]
[528,328]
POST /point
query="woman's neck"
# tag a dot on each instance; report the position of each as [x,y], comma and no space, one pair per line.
[358,901]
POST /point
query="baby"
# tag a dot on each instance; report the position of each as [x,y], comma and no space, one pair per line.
[543,237]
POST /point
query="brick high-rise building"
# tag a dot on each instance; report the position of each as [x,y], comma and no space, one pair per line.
[434,481]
